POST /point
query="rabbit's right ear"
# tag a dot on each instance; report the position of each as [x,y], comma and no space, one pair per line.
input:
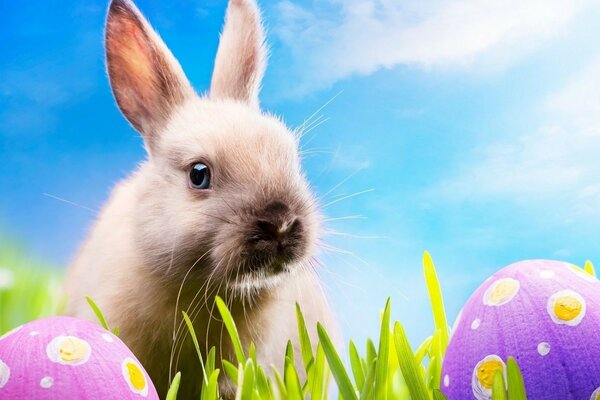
[241,57]
[147,81]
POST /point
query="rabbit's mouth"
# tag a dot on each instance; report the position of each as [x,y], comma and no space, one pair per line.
[263,261]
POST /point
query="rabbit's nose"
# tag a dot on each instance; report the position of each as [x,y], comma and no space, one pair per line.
[277,223]
[278,232]
[275,239]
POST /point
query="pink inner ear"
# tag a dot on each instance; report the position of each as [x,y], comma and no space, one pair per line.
[131,67]
[146,79]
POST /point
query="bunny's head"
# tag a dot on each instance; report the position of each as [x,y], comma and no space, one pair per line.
[222,194]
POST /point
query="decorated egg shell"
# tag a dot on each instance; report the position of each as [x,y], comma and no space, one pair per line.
[60,358]
[545,314]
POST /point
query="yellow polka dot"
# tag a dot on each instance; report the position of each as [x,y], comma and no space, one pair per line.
[566,307]
[501,292]
[68,350]
[135,377]
[483,376]
[72,350]
[487,371]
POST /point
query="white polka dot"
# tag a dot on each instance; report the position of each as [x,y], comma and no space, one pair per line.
[476,323]
[4,373]
[595,395]
[34,333]
[501,292]
[68,350]
[47,382]
[543,348]
[446,380]
[547,274]
[566,307]
[107,337]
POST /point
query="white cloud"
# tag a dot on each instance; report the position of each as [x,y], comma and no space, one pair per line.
[338,38]
[556,164]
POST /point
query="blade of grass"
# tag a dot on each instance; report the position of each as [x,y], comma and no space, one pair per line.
[423,349]
[434,369]
[252,352]
[190,326]
[319,375]
[516,387]
[210,361]
[498,387]
[305,344]
[248,381]
[174,388]
[438,395]
[289,353]
[230,370]
[265,391]
[437,302]
[367,392]
[231,329]
[381,366]
[589,268]
[357,368]
[212,390]
[371,352]
[337,367]
[98,313]
[408,364]
[280,383]
[292,384]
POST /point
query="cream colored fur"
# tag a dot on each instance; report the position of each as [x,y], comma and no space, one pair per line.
[159,247]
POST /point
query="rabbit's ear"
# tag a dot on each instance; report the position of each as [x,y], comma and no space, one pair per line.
[147,81]
[241,58]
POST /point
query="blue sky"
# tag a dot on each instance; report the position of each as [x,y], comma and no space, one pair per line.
[473,127]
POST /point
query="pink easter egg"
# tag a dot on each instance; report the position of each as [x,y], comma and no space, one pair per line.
[60,358]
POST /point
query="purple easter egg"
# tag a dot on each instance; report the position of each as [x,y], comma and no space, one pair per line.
[61,358]
[545,314]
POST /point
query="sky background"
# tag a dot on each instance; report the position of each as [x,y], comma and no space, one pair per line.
[467,128]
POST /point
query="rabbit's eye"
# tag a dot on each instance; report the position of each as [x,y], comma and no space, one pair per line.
[200,176]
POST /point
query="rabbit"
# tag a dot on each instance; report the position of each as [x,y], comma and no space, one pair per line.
[220,206]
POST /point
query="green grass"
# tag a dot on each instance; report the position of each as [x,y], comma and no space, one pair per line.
[388,369]
[29,289]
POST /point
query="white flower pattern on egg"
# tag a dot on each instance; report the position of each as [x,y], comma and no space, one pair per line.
[135,377]
[68,350]
[501,292]
[544,348]
[47,382]
[566,307]
[483,376]
[4,374]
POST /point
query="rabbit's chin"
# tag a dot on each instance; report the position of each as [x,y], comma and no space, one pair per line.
[250,281]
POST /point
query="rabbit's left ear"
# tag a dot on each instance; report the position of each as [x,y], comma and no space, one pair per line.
[147,81]
[241,58]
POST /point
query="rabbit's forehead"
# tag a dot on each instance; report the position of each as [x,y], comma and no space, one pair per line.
[229,134]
